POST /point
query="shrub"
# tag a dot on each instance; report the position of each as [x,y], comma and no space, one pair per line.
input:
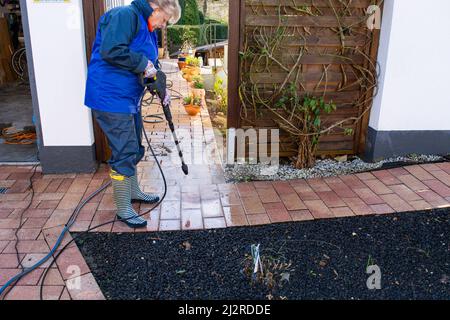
[198,82]
[196,101]
[182,6]
[202,17]
[191,13]
[179,35]
[195,27]
[308,111]
[221,95]
[187,100]
[192,61]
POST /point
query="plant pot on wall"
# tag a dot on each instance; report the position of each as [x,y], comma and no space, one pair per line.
[192,110]
[187,70]
[193,71]
[192,105]
[182,62]
[200,93]
[198,87]
[185,73]
[181,65]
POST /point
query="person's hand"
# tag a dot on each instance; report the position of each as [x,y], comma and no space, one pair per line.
[150,70]
[157,85]
[167,99]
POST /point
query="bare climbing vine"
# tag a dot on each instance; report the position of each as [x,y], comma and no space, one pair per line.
[297,101]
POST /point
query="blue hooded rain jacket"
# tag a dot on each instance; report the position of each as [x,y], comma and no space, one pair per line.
[121,51]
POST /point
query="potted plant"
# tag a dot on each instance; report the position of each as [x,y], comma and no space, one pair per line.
[193,62]
[182,61]
[190,38]
[198,87]
[189,43]
[192,105]
[193,66]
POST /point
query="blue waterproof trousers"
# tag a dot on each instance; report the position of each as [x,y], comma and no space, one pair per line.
[124,134]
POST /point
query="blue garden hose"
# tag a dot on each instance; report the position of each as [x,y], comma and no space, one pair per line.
[37,265]
[66,228]
[72,220]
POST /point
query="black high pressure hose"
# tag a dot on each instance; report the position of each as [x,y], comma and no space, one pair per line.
[159,117]
[13,281]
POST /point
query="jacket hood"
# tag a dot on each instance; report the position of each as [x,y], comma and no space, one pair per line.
[144,8]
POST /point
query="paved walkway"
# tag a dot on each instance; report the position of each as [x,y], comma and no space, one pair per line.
[201,200]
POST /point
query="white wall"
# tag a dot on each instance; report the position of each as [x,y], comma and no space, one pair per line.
[59,56]
[415,63]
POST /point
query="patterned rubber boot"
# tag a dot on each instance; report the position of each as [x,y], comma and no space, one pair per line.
[122,198]
[138,196]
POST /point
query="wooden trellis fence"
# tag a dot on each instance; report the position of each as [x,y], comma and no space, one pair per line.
[338,62]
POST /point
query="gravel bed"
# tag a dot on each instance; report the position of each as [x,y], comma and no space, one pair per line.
[323,168]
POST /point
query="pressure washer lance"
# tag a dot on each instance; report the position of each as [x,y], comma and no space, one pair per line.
[157,85]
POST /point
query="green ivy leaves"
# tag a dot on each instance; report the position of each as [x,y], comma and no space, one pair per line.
[308,107]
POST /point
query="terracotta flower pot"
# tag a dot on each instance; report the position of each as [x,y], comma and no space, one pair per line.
[189,69]
[186,70]
[189,78]
[192,110]
[194,71]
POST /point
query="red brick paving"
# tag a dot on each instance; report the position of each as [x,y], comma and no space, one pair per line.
[343,189]
[358,206]
[386,177]
[235,216]
[301,215]
[342,212]
[214,223]
[169,225]
[368,196]
[277,212]
[258,219]
[331,199]
[382,209]
[438,187]
[192,219]
[253,205]
[319,209]
[192,203]
[412,182]
[292,201]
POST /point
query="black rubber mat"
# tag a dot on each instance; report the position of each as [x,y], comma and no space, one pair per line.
[324,259]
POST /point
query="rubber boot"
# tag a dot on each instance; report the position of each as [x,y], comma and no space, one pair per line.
[122,198]
[138,196]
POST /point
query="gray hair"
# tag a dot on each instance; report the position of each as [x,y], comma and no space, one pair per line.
[171,7]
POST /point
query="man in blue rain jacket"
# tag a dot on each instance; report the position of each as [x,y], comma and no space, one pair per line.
[125,49]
